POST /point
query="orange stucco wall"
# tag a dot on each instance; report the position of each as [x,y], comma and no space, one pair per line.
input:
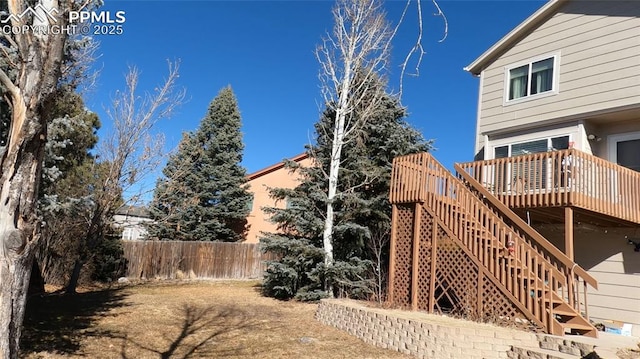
[258,221]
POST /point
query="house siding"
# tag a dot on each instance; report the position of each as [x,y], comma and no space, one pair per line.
[601,148]
[598,67]
[258,221]
[607,256]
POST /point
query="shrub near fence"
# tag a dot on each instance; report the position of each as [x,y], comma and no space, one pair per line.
[166,259]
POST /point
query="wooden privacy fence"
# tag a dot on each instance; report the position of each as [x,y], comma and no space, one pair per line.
[166,259]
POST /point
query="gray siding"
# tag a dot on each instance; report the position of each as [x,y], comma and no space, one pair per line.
[605,254]
[599,66]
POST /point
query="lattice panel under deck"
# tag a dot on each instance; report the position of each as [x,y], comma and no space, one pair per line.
[456,279]
[403,262]
[424,261]
[498,308]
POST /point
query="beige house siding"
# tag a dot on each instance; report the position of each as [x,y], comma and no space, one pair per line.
[597,44]
[607,256]
[275,176]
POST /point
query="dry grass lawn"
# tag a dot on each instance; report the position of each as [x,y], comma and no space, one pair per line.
[226,319]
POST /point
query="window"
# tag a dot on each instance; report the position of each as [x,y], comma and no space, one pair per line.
[250,204]
[531,79]
[288,203]
[534,174]
[537,146]
[127,234]
[624,149]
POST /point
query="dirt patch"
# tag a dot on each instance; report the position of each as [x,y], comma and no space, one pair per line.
[183,320]
[629,353]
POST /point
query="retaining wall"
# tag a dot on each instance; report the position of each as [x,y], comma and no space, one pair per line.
[420,334]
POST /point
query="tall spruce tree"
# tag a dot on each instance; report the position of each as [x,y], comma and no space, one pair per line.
[204,193]
[362,209]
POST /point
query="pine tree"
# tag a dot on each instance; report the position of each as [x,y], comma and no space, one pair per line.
[175,193]
[70,178]
[204,195]
[362,209]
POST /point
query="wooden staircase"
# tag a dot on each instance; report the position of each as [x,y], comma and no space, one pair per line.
[530,279]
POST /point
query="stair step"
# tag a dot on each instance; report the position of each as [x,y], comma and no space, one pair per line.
[578,326]
[531,352]
[564,312]
[588,330]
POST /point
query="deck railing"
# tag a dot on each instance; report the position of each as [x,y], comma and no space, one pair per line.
[561,178]
[519,258]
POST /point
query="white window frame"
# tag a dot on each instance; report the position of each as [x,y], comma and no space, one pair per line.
[127,233]
[548,138]
[554,83]
[509,144]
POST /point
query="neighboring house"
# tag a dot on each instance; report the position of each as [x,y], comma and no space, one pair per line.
[569,77]
[558,143]
[275,176]
[131,219]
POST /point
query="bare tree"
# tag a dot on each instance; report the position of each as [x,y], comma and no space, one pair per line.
[31,67]
[128,154]
[377,245]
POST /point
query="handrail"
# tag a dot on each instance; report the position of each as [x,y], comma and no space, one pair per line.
[537,237]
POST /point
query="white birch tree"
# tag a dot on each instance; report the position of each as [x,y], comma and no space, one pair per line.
[352,58]
[354,61]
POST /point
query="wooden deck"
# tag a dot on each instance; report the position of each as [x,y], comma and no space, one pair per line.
[455,246]
[568,178]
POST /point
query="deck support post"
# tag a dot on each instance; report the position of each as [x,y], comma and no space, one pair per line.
[432,273]
[415,259]
[392,252]
[568,250]
[568,232]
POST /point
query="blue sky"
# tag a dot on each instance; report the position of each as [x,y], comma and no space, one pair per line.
[265,51]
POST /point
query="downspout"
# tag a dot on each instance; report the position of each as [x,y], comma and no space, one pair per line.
[478,119]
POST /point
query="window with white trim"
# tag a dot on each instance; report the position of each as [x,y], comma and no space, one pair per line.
[127,233]
[536,77]
[537,146]
[624,149]
[250,203]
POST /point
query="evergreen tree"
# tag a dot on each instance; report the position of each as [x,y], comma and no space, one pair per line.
[175,194]
[362,209]
[70,178]
[204,195]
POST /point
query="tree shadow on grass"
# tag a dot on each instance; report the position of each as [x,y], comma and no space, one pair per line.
[57,322]
[202,331]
